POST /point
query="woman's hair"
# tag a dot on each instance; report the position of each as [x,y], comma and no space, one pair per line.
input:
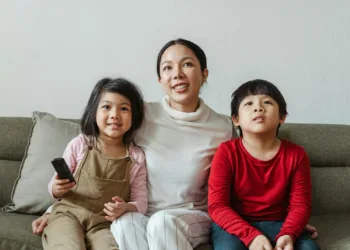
[257,87]
[192,46]
[123,87]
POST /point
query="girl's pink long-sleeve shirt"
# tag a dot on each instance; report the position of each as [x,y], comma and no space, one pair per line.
[75,151]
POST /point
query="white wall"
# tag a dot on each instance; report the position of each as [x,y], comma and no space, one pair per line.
[53,52]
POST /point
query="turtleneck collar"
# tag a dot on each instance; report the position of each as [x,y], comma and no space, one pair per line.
[202,110]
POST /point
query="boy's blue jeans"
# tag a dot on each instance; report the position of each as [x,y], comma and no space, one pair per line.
[222,240]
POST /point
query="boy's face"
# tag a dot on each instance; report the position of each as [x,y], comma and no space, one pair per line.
[258,114]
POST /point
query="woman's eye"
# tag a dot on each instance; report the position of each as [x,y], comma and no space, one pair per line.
[166,68]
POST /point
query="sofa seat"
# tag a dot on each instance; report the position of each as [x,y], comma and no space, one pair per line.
[18,232]
[334,231]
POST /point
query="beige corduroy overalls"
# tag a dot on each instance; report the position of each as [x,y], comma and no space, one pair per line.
[77,220]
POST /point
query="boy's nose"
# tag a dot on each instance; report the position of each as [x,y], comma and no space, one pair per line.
[258,109]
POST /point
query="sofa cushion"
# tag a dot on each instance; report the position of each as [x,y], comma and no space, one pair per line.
[8,174]
[330,190]
[333,231]
[48,139]
[327,145]
[16,232]
[14,133]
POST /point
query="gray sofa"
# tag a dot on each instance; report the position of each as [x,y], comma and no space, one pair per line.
[327,147]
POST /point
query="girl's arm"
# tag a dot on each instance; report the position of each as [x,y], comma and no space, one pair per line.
[220,188]
[71,155]
[299,210]
[138,180]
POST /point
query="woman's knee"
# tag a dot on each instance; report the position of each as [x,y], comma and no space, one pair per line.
[223,240]
[124,222]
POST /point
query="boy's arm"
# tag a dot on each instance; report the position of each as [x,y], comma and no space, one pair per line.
[220,188]
[299,210]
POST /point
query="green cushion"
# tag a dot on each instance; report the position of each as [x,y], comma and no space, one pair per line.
[8,174]
[14,132]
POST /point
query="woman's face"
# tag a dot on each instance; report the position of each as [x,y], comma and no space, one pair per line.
[181,77]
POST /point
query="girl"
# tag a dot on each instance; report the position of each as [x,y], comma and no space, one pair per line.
[110,172]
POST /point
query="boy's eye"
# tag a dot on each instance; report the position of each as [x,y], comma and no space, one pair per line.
[248,103]
[188,64]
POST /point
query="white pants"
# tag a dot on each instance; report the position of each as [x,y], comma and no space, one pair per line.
[173,229]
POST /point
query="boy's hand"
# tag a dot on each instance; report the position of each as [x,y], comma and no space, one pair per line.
[260,242]
[61,187]
[311,231]
[284,242]
[115,209]
[39,224]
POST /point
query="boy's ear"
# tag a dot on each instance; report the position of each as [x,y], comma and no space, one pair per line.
[282,119]
[235,120]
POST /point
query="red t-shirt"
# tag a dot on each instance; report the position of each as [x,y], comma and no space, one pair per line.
[243,189]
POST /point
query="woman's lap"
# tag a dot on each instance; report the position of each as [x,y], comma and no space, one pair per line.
[173,228]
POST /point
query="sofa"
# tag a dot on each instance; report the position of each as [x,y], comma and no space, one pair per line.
[327,146]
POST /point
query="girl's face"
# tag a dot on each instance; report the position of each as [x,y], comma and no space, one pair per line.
[113,116]
[181,77]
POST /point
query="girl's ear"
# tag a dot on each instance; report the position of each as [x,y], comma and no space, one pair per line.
[235,120]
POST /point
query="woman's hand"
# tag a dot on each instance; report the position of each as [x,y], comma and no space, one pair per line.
[260,242]
[61,187]
[284,242]
[39,224]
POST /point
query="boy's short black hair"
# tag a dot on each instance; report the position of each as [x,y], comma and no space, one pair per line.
[191,45]
[123,87]
[257,87]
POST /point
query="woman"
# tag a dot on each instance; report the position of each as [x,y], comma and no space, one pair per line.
[179,137]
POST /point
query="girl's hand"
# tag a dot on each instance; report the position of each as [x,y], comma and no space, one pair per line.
[61,187]
[284,242]
[39,224]
[312,231]
[260,242]
[115,209]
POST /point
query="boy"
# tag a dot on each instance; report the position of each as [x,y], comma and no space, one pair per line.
[260,185]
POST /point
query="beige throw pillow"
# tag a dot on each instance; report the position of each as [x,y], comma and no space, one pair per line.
[48,139]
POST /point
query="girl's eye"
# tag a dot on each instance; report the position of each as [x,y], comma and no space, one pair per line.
[106,107]
[267,102]
[248,103]
[125,109]
[188,64]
